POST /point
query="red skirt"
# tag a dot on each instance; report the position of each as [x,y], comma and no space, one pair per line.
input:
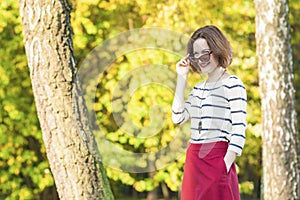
[205,176]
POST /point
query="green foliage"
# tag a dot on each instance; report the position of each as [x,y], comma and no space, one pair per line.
[24,169]
[146,124]
[184,16]
[295,38]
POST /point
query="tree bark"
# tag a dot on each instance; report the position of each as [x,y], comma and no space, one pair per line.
[71,148]
[280,136]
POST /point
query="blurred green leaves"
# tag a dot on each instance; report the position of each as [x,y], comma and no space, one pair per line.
[145,113]
[24,169]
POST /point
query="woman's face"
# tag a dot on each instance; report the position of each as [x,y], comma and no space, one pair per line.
[202,51]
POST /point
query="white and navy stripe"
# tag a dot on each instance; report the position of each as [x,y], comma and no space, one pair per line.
[220,108]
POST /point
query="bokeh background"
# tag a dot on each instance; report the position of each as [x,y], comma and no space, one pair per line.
[24,169]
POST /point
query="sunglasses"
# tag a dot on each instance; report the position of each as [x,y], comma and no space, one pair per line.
[204,58]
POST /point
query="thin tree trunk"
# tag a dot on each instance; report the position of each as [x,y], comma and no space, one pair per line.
[165,191]
[71,149]
[280,136]
[153,194]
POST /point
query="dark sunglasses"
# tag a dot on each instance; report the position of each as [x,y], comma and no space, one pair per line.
[203,58]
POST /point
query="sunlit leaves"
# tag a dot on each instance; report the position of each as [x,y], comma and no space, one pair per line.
[93,22]
[184,17]
[22,158]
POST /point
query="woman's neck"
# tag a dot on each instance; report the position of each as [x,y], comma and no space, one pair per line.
[216,74]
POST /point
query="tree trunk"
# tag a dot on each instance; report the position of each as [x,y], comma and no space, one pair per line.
[280,136]
[153,194]
[165,191]
[71,149]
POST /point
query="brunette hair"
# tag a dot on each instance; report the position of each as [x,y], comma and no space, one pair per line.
[217,43]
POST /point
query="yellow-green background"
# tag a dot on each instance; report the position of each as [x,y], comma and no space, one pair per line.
[24,169]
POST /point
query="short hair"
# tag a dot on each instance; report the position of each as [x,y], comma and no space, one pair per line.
[217,43]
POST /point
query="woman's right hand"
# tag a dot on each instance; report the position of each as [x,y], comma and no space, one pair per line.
[183,66]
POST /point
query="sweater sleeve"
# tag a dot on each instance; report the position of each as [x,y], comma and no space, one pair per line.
[237,101]
[181,112]
[181,109]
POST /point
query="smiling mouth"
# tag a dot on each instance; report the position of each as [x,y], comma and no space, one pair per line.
[204,64]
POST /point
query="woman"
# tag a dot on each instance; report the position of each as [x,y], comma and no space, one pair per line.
[217,109]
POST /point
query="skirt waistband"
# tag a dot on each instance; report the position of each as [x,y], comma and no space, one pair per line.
[208,146]
[207,150]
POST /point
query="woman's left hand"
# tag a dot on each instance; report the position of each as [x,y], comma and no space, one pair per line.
[229,159]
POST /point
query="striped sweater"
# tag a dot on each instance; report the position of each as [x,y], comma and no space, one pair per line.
[217,112]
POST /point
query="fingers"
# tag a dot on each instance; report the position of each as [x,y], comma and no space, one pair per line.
[182,66]
[187,56]
[184,62]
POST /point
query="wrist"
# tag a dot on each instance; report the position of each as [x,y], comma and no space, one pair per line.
[182,70]
[229,159]
[182,73]
[182,80]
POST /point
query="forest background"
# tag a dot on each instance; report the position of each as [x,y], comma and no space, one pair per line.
[24,169]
